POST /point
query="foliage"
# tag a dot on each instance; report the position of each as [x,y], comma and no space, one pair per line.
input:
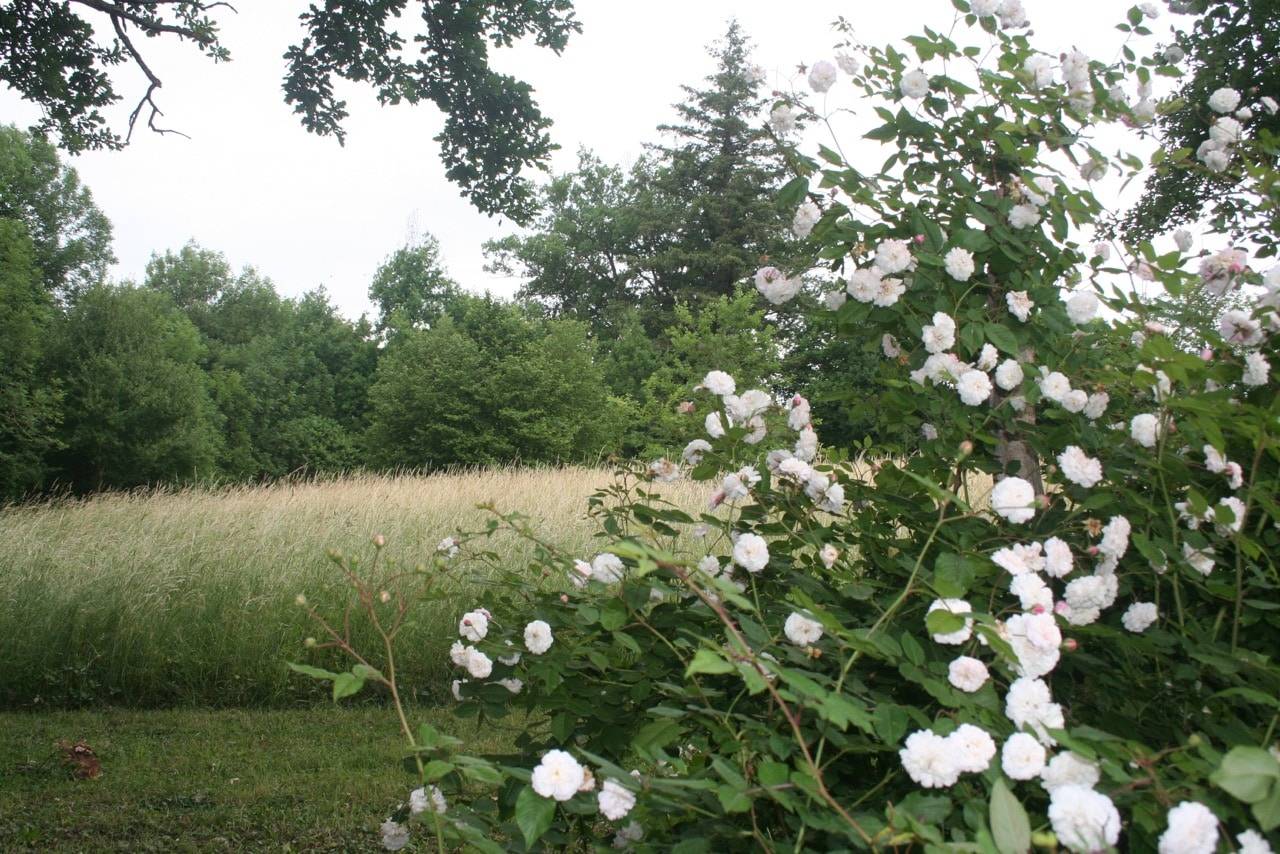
[29,405]
[71,236]
[289,377]
[728,333]
[807,694]
[493,128]
[837,374]
[1231,44]
[53,59]
[686,223]
[411,288]
[137,407]
[488,384]
[588,253]
[723,169]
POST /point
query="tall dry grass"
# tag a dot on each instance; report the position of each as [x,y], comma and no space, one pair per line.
[187,596]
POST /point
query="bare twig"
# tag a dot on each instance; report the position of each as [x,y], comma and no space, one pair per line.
[153,84]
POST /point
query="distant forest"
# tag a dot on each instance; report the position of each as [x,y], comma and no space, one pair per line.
[636,282]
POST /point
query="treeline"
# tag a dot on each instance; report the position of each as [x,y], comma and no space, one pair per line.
[636,282]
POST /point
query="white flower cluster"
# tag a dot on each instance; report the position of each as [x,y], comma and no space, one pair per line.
[1082,818]
[1011,13]
[1216,463]
[1217,151]
[802,630]
[879,284]
[606,568]
[1054,386]
[559,776]
[807,216]
[771,282]
[746,410]
[936,762]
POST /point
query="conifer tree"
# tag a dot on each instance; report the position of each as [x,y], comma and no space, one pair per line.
[725,171]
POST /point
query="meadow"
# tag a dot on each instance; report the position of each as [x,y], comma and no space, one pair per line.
[187,597]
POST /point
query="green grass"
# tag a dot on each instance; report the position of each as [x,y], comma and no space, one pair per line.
[177,598]
[319,779]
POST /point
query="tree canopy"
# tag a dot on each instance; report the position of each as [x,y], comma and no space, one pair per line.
[55,55]
[1231,44]
[687,222]
[70,236]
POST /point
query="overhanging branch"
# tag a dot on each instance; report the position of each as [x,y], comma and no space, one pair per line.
[153,83]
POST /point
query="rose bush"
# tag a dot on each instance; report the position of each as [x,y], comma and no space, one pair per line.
[885,651]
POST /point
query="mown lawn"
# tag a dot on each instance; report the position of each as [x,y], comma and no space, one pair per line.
[319,779]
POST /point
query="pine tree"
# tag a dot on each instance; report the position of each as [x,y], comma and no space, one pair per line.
[724,171]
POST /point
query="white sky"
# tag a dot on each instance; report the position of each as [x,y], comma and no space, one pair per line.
[254,185]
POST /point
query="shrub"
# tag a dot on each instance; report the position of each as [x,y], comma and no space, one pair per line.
[899,655]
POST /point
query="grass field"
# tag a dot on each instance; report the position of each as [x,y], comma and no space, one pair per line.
[187,597]
[319,779]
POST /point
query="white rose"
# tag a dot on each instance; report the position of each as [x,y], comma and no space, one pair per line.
[802,630]
[960,608]
[558,776]
[967,673]
[474,625]
[822,76]
[1009,375]
[1139,616]
[479,665]
[1082,307]
[1193,829]
[1144,429]
[915,84]
[1224,100]
[1022,757]
[537,637]
[615,800]
[751,552]
[1014,499]
[959,264]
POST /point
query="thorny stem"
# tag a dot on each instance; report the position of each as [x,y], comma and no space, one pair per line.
[365,594]
[889,612]
[1253,479]
[793,721]
[1173,522]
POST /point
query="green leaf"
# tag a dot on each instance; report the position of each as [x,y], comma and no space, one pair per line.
[562,726]
[1002,338]
[313,672]
[346,684]
[952,575]
[1009,824]
[708,661]
[1247,773]
[884,133]
[428,736]
[793,192]
[972,239]
[435,769]
[733,800]
[654,736]
[1267,812]
[482,772]
[943,622]
[534,815]
[364,671]
[772,773]
[614,616]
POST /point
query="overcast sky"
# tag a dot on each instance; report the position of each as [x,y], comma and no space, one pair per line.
[254,185]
